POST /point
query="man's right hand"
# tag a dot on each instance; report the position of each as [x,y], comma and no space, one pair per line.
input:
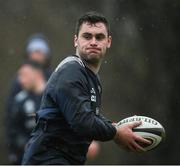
[127,139]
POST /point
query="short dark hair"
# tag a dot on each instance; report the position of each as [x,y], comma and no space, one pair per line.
[33,64]
[92,17]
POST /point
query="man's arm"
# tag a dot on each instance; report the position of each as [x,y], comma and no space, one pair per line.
[73,98]
[77,110]
[103,118]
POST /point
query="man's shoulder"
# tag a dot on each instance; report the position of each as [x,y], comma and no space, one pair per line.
[70,63]
[70,70]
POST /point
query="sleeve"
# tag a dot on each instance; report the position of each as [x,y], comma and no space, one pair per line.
[12,128]
[9,109]
[14,89]
[74,101]
[103,118]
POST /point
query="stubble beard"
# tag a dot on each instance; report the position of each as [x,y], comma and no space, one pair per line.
[93,60]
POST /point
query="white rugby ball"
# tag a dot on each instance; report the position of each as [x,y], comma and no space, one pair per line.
[149,129]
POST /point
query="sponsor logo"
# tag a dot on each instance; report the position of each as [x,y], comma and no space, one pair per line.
[93,98]
[92,91]
[97,111]
[93,95]
[133,119]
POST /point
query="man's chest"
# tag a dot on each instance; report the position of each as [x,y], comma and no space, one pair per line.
[95,92]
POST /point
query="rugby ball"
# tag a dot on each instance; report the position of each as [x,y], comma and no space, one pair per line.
[149,129]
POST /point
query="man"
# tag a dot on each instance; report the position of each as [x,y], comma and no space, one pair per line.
[69,117]
[21,121]
[31,77]
[37,50]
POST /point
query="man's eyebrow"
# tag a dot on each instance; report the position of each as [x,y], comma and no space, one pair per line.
[88,33]
[102,34]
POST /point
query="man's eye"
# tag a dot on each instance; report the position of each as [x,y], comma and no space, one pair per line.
[87,36]
[100,37]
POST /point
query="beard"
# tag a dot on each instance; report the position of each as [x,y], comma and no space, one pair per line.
[91,58]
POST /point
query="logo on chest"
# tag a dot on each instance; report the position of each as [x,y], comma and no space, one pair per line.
[93,95]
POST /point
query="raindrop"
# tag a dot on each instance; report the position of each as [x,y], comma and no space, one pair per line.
[141,28]
[123,18]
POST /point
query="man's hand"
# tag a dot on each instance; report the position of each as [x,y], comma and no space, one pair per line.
[127,139]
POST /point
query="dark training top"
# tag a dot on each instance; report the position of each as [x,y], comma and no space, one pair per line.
[69,117]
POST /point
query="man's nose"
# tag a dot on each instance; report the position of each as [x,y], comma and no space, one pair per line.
[94,41]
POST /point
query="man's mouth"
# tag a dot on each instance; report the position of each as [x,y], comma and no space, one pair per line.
[93,49]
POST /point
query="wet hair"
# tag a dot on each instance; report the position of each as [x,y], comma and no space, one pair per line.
[92,17]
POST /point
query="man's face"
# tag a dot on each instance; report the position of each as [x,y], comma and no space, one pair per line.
[27,76]
[92,42]
[38,57]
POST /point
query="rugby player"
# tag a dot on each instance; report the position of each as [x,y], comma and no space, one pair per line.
[70,116]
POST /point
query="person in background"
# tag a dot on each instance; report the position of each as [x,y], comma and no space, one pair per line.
[21,120]
[37,50]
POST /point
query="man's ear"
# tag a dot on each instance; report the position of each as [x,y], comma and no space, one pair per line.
[109,42]
[75,41]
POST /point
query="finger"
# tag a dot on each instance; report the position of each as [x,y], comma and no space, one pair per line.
[135,124]
[138,147]
[131,147]
[142,140]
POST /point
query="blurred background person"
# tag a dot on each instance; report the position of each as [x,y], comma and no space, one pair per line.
[21,119]
[37,52]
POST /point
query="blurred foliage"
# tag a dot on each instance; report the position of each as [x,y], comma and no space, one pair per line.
[140,75]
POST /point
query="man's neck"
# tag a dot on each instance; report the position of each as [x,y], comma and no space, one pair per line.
[93,67]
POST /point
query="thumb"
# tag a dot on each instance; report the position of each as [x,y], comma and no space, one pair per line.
[135,124]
